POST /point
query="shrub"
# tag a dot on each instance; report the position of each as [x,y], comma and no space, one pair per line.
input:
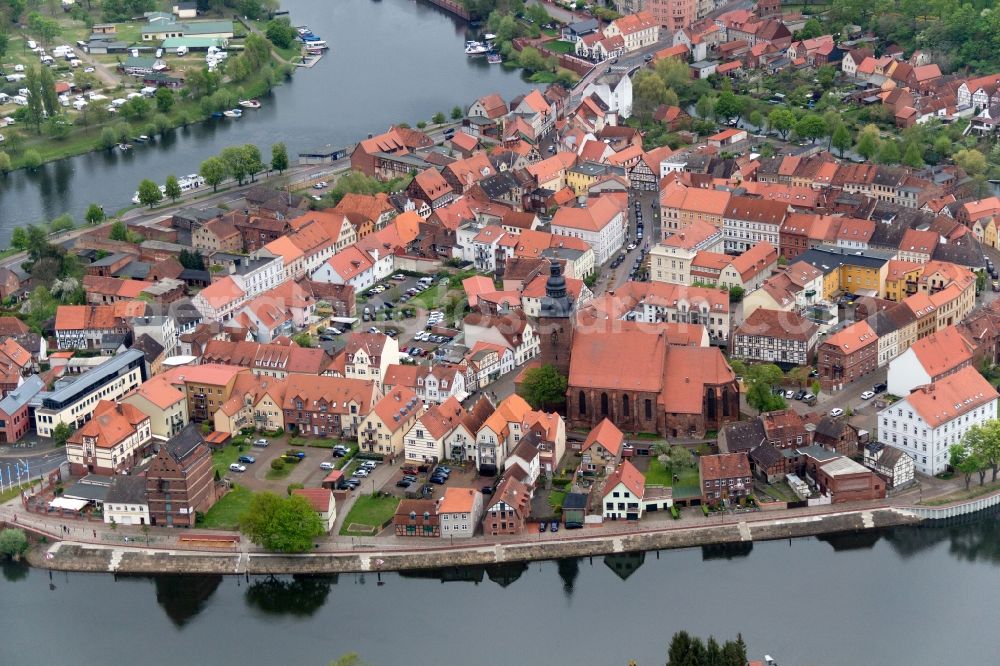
[293,486]
[704,509]
[675,512]
[278,464]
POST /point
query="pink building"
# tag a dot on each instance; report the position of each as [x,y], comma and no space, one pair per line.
[14,418]
[673,14]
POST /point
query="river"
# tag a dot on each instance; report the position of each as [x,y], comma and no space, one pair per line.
[390,61]
[908,596]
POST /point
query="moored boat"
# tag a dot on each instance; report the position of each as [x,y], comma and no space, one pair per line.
[249,103]
[232,113]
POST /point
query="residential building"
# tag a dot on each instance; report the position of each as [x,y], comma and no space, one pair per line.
[891,463]
[928,360]
[773,336]
[112,442]
[603,447]
[601,224]
[207,386]
[327,406]
[725,478]
[460,510]
[179,481]
[368,356]
[323,503]
[127,502]
[847,481]
[508,508]
[847,355]
[623,493]
[84,326]
[15,415]
[500,433]
[934,416]
[382,431]
[417,518]
[750,221]
[511,330]
[524,461]
[72,401]
[165,405]
[425,441]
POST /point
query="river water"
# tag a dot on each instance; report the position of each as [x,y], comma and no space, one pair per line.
[907,596]
[390,61]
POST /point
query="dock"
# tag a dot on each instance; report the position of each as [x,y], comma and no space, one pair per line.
[309,61]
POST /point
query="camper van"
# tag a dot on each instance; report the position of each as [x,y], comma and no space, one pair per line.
[182,51]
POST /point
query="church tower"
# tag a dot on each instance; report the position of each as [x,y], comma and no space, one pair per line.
[555,322]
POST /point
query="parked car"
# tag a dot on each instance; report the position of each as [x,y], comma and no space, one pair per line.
[868,395]
[236,467]
[296,454]
[261,443]
[403,483]
[555,526]
[836,411]
[800,394]
[409,469]
[543,526]
[444,468]
[409,477]
[789,394]
[247,459]
[353,483]
[362,473]
[326,464]
[439,480]
[573,525]
[879,388]
[486,490]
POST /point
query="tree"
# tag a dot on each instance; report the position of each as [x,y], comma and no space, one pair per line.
[680,646]
[50,100]
[812,29]
[736,293]
[971,160]
[756,119]
[841,139]
[281,524]
[19,238]
[149,193]
[826,75]
[164,99]
[108,139]
[963,461]
[705,108]
[687,650]
[253,160]
[118,231]
[762,398]
[648,93]
[34,111]
[62,223]
[303,339]
[214,171]
[782,121]
[543,386]
[191,259]
[456,113]
[439,118]
[279,157]
[984,441]
[60,435]
[280,32]
[13,543]
[349,659]
[729,106]
[172,187]
[31,160]
[810,126]
[235,158]
[912,156]
[5,163]
[868,142]
[888,152]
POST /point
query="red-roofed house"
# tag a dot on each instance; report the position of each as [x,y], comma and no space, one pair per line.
[111,442]
[847,355]
[724,477]
[623,493]
[604,443]
[601,224]
[322,502]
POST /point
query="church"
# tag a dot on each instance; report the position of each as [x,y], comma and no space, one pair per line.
[644,377]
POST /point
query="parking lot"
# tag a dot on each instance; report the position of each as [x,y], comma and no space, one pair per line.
[461,475]
[307,471]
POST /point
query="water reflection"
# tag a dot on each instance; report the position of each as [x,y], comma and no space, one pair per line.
[865,540]
[625,564]
[14,571]
[184,597]
[568,569]
[296,595]
[726,551]
[449,574]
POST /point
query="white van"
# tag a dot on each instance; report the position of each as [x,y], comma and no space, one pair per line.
[182,51]
[75,63]
[79,104]
[32,44]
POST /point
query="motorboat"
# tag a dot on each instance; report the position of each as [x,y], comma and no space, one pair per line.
[476,48]
[233,113]
[249,104]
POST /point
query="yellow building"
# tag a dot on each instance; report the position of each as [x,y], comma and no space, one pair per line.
[901,276]
[383,430]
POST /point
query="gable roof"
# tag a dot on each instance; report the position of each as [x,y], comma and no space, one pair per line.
[628,475]
[952,396]
[607,435]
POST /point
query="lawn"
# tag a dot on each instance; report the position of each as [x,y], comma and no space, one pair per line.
[973,492]
[657,474]
[561,47]
[688,482]
[278,474]
[225,514]
[782,492]
[371,511]
[11,493]
[556,499]
[222,459]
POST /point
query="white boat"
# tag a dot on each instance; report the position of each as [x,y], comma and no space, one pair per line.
[316,44]
[249,104]
[233,113]
[304,30]
[489,36]
[476,48]
[124,146]
[187,183]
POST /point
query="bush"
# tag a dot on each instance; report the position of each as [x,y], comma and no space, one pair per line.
[675,512]
[13,543]
[366,455]
[704,509]
[293,486]
[277,464]
[561,483]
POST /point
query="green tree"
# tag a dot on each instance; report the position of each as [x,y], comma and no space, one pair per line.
[237,165]
[47,84]
[648,93]
[826,75]
[60,435]
[19,238]
[349,659]
[810,126]
[62,223]
[888,152]
[303,339]
[279,157]
[841,139]
[984,441]
[253,160]
[108,139]
[13,543]
[214,170]
[812,29]
[31,159]
[705,107]
[964,461]
[543,386]
[729,106]
[971,160]
[34,111]
[868,144]
[456,113]
[149,193]
[912,157]
[761,397]
[94,214]
[782,121]
[438,118]
[5,163]
[756,119]
[281,524]
[164,99]
[280,32]
[173,188]
[118,231]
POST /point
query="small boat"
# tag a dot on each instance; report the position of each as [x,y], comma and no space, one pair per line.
[249,104]
[142,138]
[217,114]
[476,48]
[489,36]
[315,50]
[304,30]
[124,147]
[316,44]
[494,59]
[233,113]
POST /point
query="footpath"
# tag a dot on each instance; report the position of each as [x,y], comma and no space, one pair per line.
[95,547]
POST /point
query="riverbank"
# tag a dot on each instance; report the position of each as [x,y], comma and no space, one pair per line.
[89,557]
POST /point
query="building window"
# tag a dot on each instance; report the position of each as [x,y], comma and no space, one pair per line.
[604,404]
[583,403]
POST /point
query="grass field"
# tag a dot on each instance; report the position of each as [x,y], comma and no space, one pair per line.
[225,514]
[370,511]
[688,482]
[222,459]
[560,47]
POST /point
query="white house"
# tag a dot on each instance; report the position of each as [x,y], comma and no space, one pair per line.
[459,511]
[928,360]
[126,502]
[615,90]
[425,440]
[526,457]
[601,224]
[322,502]
[351,266]
[929,420]
[512,330]
[501,432]
[623,493]
[889,462]
[369,355]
